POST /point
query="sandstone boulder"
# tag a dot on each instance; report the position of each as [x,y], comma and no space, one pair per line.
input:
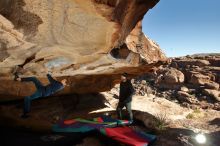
[213,93]
[214,61]
[170,78]
[90,42]
[197,78]
[184,89]
[212,85]
[184,97]
[193,62]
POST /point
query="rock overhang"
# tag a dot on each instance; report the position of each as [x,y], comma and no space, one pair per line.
[89,42]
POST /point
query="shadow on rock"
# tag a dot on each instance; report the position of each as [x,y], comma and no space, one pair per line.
[47,111]
[216,122]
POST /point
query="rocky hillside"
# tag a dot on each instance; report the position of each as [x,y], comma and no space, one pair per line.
[90,42]
[192,80]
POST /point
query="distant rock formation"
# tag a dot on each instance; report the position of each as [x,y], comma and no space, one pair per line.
[91,42]
[192,80]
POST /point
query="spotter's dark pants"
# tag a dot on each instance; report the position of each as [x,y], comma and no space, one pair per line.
[120,106]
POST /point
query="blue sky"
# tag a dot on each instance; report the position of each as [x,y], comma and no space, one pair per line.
[183,27]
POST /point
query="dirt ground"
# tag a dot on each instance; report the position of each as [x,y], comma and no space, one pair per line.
[178,125]
[173,124]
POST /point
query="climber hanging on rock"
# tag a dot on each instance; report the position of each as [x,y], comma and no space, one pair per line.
[41,90]
[125,96]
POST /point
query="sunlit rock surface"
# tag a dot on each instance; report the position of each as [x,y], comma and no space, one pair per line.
[91,42]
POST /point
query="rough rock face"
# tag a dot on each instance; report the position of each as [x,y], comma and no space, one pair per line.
[91,42]
[195,62]
[213,93]
[192,80]
[201,74]
[197,78]
[170,78]
[184,96]
[212,85]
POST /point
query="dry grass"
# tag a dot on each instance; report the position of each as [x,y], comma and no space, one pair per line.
[195,114]
[161,122]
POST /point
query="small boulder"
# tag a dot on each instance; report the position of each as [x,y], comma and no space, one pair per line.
[213,93]
[184,97]
[217,106]
[143,82]
[170,78]
[214,61]
[184,89]
[202,63]
[212,85]
[172,75]
[198,78]
[189,61]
